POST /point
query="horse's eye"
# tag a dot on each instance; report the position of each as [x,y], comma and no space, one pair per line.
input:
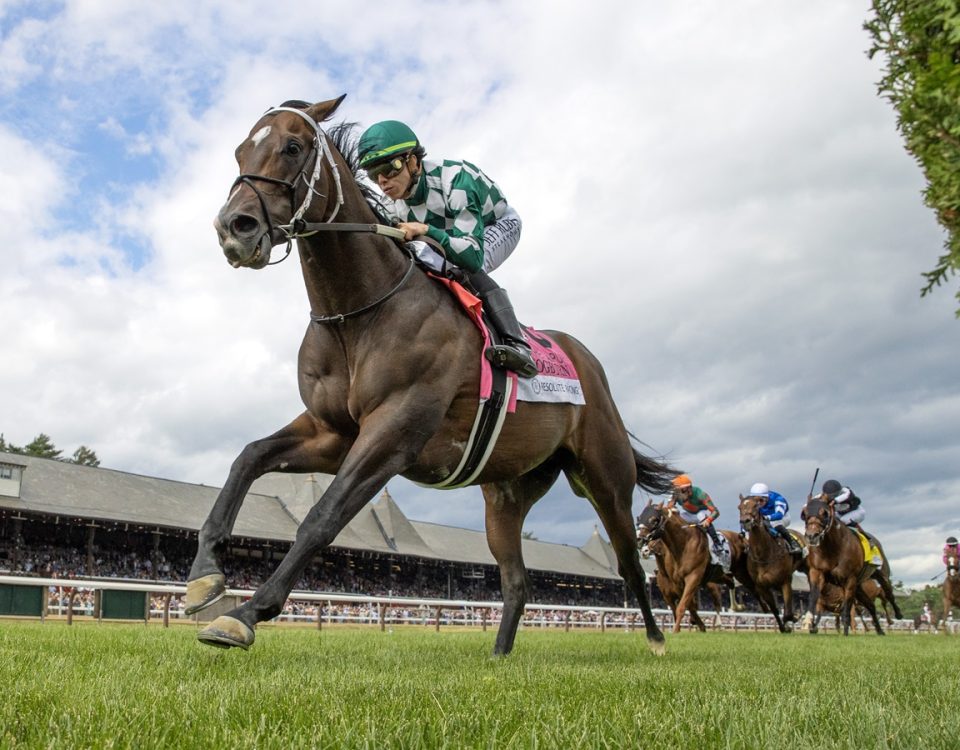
[293,149]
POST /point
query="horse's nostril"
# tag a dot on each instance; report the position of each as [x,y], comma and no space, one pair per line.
[244,224]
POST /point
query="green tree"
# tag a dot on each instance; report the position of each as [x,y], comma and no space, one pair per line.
[920,41]
[42,447]
[86,456]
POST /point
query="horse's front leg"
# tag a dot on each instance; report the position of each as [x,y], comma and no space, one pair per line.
[302,447]
[789,618]
[691,582]
[849,596]
[816,611]
[386,446]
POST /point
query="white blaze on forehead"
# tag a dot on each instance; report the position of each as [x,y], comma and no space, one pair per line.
[260,135]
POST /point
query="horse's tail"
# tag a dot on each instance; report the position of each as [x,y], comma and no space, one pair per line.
[653,475]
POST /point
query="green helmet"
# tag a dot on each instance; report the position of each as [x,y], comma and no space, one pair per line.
[385,139]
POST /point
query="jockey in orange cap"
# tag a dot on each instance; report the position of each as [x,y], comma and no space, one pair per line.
[696,507]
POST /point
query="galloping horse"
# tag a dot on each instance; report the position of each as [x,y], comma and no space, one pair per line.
[837,555]
[389,373]
[671,584]
[770,565]
[951,587]
[688,546]
[831,601]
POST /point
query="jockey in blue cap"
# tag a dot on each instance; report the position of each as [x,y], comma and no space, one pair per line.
[775,510]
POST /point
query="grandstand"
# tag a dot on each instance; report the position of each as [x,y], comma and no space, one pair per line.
[65,519]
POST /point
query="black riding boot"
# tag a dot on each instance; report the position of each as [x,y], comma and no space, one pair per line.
[792,547]
[712,531]
[514,353]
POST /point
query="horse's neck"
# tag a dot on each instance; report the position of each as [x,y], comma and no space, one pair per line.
[838,537]
[760,538]
[345,271]
[676,534]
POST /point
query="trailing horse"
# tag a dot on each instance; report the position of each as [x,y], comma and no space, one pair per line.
[836,555]
[769,563]
[389,374]
[951,587]
[831,601]
[689,548]
[670,584]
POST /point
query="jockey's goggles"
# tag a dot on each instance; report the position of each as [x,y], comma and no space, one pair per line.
[388,169]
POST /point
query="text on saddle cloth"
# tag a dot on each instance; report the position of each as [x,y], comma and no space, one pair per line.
[718,556]
[557,380]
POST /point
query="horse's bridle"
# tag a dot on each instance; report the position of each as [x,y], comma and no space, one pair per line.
[654,532]
[766,529]
[833,517]
[298,228]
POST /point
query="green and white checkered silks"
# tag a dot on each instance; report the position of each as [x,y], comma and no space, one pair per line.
[448,199]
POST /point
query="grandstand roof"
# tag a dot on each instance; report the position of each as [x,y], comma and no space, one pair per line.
[273,510]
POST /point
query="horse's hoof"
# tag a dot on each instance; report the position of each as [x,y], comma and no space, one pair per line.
[658,646]
[226,632]
[204,591]
[788,627]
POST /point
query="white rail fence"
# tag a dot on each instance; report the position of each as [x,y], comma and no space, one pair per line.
[69,598]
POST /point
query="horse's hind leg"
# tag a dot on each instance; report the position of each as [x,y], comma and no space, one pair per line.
[867,601]
[884,582]
[507,504]
[298,447]
[606,475]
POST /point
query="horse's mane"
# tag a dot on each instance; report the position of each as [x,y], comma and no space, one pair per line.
[344,138]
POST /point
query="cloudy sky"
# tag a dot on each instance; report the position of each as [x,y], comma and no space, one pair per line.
[715,200]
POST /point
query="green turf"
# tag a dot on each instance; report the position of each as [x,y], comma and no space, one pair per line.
[108,685]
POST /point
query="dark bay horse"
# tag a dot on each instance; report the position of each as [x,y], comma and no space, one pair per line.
[951,587]
[389,374]
[831,601]
[689,547]
[670,584]
[770,565]
[836,555]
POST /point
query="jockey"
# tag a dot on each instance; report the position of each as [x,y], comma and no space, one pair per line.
[950,548]
[775,510]
[846,504]
[461,209]
[696,507]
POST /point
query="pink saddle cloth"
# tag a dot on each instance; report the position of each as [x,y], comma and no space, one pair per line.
[557,380]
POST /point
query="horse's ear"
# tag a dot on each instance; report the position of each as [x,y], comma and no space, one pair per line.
[324,110]
[742,498]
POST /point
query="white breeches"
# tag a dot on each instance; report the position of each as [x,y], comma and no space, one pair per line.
[500,240]
[854,516]
[693,517]
[782,523]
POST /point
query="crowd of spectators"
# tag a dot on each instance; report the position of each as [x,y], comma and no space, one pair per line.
[336,571]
